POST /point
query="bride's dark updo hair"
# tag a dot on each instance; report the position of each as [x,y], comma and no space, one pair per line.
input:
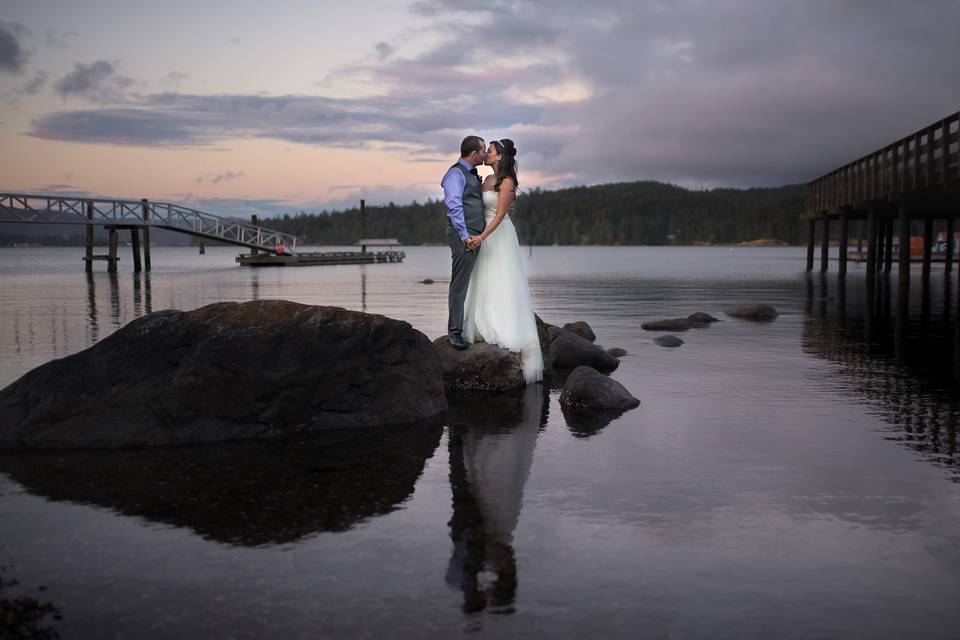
[508,163]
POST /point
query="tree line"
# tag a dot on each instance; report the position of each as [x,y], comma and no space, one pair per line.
[648,213]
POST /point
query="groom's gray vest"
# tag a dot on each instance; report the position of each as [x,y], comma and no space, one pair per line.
[472,202]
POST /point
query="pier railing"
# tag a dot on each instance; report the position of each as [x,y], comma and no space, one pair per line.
[45,209]
[924,160]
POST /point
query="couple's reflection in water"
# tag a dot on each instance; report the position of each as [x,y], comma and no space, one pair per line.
[491,441]
[896,348]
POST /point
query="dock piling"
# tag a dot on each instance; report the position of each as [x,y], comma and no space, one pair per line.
[146,233]
[904,239]
[88,252]
[825,245]
[811,241]
[888,248]
[135,245]
[112,255]
[927,247]
[842,255]
[948,256]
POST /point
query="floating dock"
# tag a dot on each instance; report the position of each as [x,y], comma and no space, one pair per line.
[319,259]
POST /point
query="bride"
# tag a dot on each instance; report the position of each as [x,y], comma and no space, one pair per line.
[498,308]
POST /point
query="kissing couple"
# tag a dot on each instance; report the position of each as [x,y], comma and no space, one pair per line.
[489,298]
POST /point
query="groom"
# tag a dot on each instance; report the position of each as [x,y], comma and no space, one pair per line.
[461,192]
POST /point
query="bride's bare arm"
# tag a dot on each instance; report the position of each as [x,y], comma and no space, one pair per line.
[504,204]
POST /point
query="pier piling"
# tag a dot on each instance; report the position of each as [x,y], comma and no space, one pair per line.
[842,255]
[825,245]
[146,233]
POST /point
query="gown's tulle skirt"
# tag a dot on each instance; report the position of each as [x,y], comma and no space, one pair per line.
[498,309]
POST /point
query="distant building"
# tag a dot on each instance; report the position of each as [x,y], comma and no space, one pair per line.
[940,242]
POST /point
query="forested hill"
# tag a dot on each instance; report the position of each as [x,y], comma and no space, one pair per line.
[649,213]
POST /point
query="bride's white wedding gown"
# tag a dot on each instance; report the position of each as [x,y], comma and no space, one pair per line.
[498,308]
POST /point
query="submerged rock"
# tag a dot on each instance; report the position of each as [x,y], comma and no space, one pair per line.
[701,319]
[757,312]
[480,367]
[582,329]
[671,324]
[227,371]
[427,281]
[668,341]
[587,390]
[617,352]
[568,351]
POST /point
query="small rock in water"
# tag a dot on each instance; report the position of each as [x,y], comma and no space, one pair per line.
[588,390]
[668,341]
[427,281]
[617,352]
[582,329]
[700,319]
[758,312]
[671,324]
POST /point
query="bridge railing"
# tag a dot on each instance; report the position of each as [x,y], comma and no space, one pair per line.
[21,207]
[926,159]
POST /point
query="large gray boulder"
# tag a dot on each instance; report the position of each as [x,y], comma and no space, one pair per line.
[568,351]
[587,391]
[227,371]
[755,312]
[480,367]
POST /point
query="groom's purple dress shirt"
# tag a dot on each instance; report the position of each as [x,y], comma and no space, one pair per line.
[453,183]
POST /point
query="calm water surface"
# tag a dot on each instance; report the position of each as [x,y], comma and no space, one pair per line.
[794,479]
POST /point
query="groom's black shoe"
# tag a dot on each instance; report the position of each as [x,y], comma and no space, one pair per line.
[457,343]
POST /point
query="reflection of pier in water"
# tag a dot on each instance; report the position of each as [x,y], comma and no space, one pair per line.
[142,301]
[901,356]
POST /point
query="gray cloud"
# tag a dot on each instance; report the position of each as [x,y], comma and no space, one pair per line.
[383,50]
[172,119]
[731,93]
[59,39]
[96,81]
[220,177]
[13,56]
[35,84]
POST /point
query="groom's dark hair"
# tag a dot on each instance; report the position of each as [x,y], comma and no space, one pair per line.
[470,144]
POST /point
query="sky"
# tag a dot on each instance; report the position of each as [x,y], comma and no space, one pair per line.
[239,107]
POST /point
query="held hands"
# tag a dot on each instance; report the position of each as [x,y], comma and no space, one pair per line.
[472,242]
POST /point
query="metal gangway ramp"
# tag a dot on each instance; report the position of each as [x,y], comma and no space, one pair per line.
[139,216]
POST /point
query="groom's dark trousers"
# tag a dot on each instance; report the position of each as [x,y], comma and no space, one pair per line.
[463,262]
[466,207]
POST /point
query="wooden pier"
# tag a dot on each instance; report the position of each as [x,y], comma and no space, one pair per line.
[907,184]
